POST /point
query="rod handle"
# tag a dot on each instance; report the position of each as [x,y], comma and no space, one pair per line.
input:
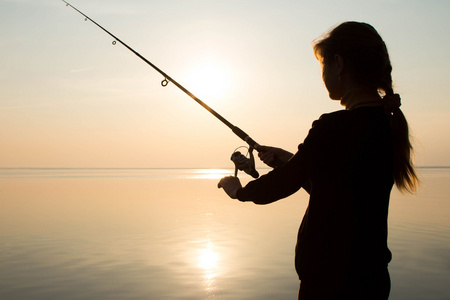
[252,143]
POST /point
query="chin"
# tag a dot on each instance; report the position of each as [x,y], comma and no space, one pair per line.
[334,97]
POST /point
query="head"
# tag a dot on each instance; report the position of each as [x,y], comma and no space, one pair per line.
[354,50]
[353,55]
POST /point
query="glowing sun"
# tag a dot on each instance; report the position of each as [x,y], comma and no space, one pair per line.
[208,80]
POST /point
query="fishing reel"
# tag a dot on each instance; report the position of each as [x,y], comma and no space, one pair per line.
[244,163]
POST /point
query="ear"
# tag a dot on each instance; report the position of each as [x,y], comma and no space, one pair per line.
[339,63]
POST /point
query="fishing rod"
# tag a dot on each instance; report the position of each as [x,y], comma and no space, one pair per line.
[241,162]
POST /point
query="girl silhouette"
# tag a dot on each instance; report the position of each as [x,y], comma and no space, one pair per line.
[348,164]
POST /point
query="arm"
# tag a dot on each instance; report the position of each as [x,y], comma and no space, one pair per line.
[284,180]
[268,155]
[279,183]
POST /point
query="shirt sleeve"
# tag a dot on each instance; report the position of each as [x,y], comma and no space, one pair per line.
[286,180]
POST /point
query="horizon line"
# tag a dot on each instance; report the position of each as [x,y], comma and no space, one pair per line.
[158,168]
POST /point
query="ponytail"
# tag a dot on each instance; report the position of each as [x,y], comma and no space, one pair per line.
[405,176]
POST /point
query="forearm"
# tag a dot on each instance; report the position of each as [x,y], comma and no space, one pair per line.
[277,184]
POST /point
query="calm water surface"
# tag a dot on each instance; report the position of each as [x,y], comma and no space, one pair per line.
[171,234]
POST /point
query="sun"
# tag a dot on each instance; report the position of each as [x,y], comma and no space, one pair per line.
[208,80]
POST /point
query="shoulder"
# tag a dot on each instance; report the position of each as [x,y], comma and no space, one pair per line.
[324,128]
[329,121]
[352,118]
[344,125]
[332,117]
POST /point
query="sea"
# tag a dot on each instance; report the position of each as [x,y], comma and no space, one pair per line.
[172,234]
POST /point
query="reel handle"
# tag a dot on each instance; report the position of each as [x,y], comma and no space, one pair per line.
[245,164]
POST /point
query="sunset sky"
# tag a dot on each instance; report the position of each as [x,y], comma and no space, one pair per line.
[69,98]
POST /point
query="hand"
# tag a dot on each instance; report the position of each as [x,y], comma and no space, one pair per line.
[230,185]
[268,154]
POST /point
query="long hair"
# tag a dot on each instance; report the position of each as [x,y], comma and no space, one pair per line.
[360,45]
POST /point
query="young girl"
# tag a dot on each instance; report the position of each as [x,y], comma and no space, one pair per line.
[348,164]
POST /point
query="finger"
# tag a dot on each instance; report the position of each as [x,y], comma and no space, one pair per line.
[263,148]
[264,154]
[267,157]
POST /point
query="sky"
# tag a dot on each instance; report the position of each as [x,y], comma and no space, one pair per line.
[71,99]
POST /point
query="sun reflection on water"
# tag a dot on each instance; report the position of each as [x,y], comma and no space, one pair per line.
[207,260]
[208,257]
[210,173]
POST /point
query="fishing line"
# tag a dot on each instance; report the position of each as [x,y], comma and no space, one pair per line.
[240,133]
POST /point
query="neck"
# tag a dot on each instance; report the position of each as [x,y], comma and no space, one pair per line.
[360,97]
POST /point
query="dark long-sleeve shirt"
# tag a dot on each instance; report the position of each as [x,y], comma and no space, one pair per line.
[346,164]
